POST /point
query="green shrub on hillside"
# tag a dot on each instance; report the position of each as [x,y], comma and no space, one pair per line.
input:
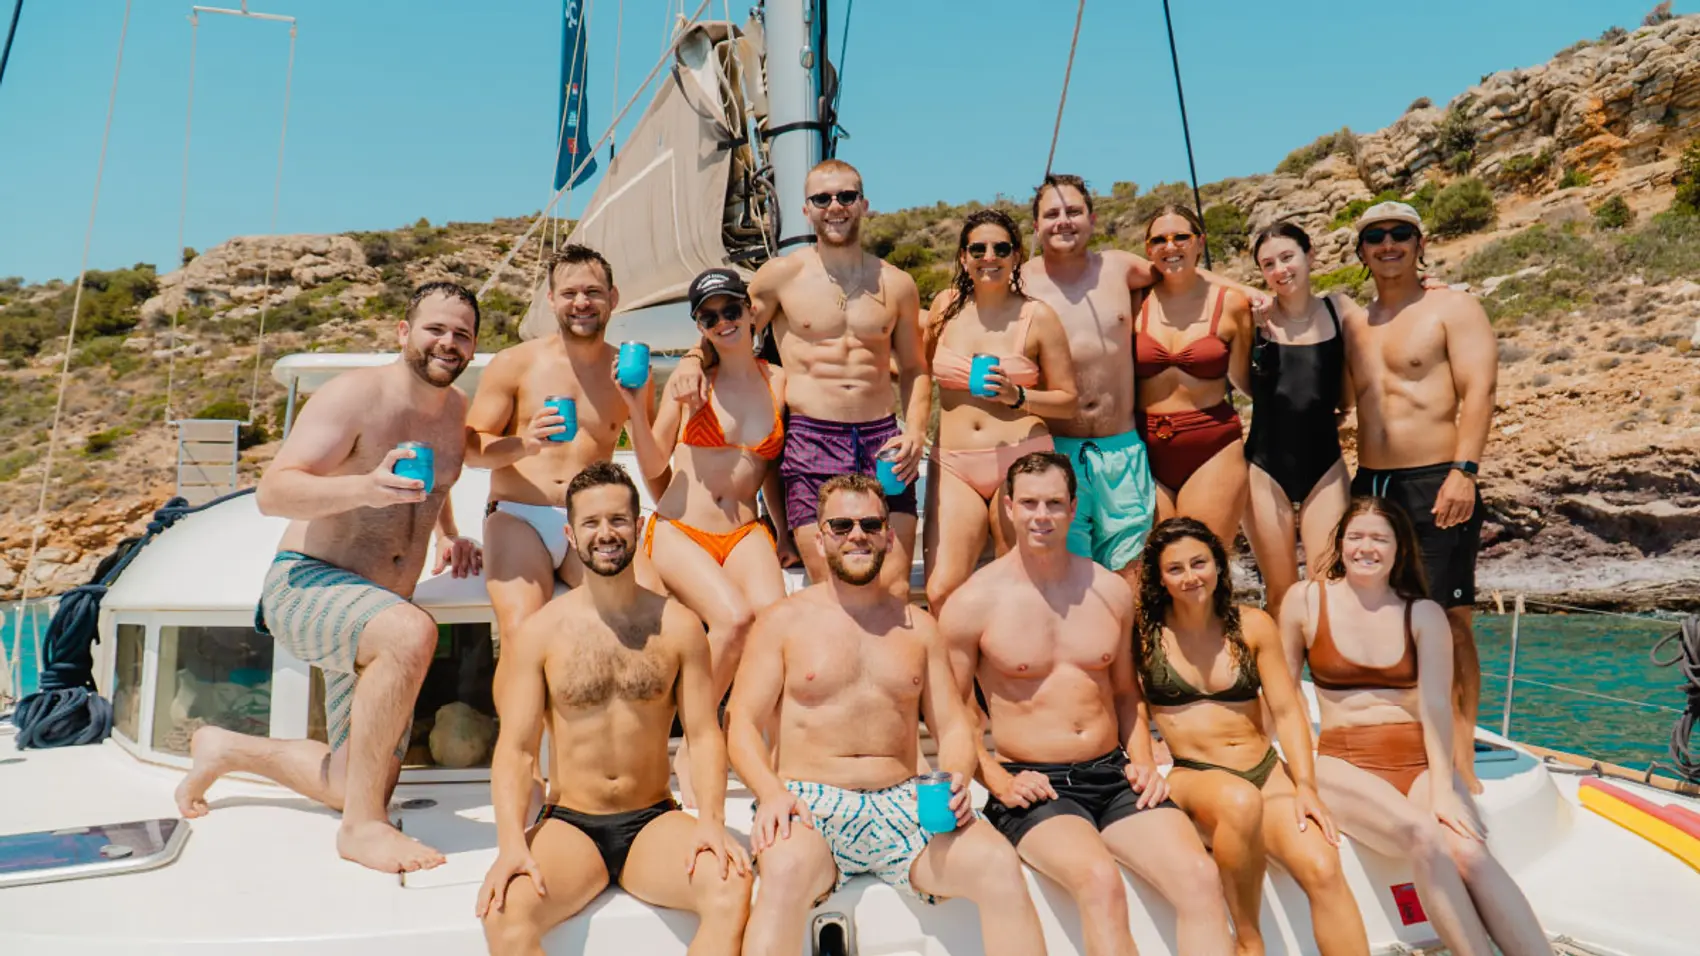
[1525,170]
[1344,142]
[100,443]
[910,255]
[1687,179]
[1666,248]
[1463,207]
[1659,14]
[1573,177]
[230,409]
[111,305]
[1226,230]
[1614,213]
[1352,280]
[1535,246]
[1456,138]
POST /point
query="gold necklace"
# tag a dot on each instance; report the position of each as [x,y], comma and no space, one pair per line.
[844,297]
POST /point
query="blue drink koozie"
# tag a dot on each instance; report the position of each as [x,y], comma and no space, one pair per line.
[885,469]
[632,369]
[421,467]
[982,364]
[932,798]
[565,407]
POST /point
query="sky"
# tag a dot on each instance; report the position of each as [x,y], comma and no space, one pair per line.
[402,109]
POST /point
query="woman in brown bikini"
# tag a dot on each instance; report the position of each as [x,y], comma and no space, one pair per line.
[1246,803]
[1380,656]
[1192,335]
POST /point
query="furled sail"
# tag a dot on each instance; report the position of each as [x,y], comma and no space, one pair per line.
[687,192]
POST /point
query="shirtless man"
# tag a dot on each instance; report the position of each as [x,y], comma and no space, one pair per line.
[1423,363]
[850,667]
[1074,786]
[337,592]
[843,319]
[608,663]
[509,429]
[1095,294]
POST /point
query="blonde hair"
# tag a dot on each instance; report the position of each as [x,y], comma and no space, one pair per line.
[835,166]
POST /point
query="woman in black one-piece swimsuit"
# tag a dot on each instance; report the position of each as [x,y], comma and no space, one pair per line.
[1298,384]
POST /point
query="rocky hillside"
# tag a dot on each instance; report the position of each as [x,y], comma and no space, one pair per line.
[1566,194]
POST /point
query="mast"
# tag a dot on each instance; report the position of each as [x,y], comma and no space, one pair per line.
[12,31]
[1186,132]
[795,131]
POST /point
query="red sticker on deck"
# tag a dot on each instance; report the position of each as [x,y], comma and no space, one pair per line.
[1410,908]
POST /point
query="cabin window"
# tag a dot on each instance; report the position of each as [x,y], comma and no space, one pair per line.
[127,681]
[454,718]
[211,675]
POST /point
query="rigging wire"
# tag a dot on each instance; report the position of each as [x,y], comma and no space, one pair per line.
[1186,130]
[11,31]
[76,307]
[666,55]
[277,192]
[1068,72]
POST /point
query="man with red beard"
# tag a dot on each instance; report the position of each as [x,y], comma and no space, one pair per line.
[531,451]
[843,319]
[337,592]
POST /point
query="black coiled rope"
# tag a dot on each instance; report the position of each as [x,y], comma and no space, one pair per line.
[66,711]
[1687,659]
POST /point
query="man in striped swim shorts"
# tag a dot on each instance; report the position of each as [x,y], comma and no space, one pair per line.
[337,592]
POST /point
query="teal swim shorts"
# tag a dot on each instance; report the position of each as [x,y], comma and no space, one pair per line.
[1117,503]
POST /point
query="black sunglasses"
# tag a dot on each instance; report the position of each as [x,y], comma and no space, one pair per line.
[709,318]
[1179,238]
[845,197]
[977,250]
[840,527]
[1404,232]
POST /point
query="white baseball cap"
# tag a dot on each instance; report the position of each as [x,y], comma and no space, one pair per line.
[1389,211]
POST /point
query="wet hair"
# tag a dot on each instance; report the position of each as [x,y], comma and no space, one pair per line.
[1285,229]
[1408,579]
[599,474]
[573,254]
[1176,209]
[1057,181]
[1037,463]
[834,166]
[962,282]
[1155,600]
[453,291]
[852,483]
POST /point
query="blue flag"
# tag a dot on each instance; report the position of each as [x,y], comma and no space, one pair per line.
[573,138]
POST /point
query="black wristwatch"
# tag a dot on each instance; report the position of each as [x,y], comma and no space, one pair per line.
[1020,397]
[1467,467]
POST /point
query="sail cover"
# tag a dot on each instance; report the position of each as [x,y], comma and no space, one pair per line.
[685,192]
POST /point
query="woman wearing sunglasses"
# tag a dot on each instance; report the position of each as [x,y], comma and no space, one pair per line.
[986,424]
[1298,383]
[705,538]
[1193,334]
[1380,657]
[1246,802]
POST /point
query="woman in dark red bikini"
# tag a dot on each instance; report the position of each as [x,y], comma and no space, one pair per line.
[1192,335]
[1380,657]
[704,537]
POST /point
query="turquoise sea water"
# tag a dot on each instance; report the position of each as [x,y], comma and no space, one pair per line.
[1606,655]
[33,624]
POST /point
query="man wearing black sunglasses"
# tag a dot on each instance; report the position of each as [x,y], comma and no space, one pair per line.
[844,321]
[1423,362]
[849,668]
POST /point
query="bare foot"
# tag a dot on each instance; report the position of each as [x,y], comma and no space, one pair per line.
[1467,774]
[210,749]
[378,846]
[682,770]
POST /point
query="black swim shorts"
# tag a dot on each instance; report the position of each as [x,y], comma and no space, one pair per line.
[1095,790]
[613,833]
[1449,554]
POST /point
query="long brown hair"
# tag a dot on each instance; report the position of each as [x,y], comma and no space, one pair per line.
[1155,599]
[962,282]
[1408,579]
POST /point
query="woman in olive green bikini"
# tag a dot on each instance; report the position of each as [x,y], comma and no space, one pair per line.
[1246,803]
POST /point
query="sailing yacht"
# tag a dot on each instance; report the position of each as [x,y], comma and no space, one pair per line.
[99,862]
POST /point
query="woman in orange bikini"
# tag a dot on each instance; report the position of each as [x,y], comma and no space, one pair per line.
[1380,656]
[1193,334]
[704,536]
[985,312]
[1246,802]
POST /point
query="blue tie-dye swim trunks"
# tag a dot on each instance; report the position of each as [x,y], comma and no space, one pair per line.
[868,831]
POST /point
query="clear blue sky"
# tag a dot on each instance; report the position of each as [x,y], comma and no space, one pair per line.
[410,108]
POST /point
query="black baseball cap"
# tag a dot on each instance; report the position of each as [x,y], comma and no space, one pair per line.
[717,282]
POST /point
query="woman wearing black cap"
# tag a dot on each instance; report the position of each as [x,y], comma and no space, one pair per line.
[705,538]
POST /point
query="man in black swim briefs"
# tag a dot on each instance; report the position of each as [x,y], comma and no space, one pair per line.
[1424,363]
[1074,786]
[608,663]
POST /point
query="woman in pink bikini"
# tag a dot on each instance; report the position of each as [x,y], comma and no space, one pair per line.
[1192,335]
[986,313]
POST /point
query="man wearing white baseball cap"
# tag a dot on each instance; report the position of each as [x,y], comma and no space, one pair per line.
[1423,363]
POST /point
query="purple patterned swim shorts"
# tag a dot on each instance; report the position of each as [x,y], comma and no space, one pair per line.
[816,450]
